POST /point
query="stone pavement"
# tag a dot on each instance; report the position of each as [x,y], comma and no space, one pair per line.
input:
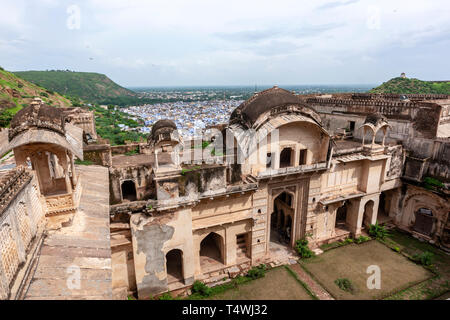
[85,244]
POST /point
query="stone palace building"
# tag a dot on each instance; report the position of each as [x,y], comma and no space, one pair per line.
[285,167]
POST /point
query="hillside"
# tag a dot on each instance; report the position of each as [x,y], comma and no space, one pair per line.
[90,87]
[410,85]
[16,93]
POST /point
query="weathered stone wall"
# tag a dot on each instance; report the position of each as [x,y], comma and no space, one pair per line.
[408,119]
[98,154]
[140,175]
[411,200]
[153,238]
[131,147]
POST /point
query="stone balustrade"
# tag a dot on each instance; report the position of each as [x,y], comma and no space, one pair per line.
[292,170]
[21,217]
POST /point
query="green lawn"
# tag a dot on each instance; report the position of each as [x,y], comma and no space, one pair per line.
[351,262]
[278,284]
[436,286]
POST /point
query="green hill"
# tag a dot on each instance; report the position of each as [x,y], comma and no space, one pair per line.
[415,86]
[16,93]
[90,87]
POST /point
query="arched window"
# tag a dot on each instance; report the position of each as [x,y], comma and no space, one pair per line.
[286,158]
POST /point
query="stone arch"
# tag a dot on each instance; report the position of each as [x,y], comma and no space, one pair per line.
[128,189]
[174,266]
[368,213]
[418,200]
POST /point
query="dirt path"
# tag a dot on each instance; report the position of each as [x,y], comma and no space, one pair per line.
[313,285]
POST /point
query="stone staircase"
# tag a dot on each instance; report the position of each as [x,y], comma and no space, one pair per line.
[241,250]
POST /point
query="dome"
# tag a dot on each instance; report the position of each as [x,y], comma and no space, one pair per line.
[375,119]
[162,130]
[37,115]
[163,126]
[249,111]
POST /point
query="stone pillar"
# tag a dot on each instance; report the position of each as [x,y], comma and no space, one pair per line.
[354,217]
[230,247]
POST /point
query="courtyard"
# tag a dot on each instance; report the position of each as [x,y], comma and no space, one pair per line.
[277,284]
[351,262]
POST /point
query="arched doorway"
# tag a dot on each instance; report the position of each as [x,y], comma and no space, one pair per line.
[282,220]
[341,217]
[368,213]
[211,252]
[424,221]
[174,266]
[286,158]
[129,191]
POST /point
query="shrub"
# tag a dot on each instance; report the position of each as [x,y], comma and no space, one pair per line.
[44,94]
[344,284]
[378,231]
[201,289]
[396,249]
[362,239]
[425,258]
[257,272]
[301,246]
[166,296]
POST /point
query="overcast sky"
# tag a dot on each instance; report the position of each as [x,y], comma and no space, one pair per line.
[232,42]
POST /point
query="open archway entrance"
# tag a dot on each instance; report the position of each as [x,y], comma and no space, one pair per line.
[211,252]
[368,213]
[129,191]
[174,264]
[341,217]
[281,221]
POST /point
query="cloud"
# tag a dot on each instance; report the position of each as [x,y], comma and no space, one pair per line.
[270,33]
[336,4]
[178,42]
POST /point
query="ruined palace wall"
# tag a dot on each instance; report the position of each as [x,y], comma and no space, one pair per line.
[153,238]
[419,119]
[21,223]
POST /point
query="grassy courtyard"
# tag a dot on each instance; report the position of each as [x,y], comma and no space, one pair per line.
[278,284]
[351,262]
